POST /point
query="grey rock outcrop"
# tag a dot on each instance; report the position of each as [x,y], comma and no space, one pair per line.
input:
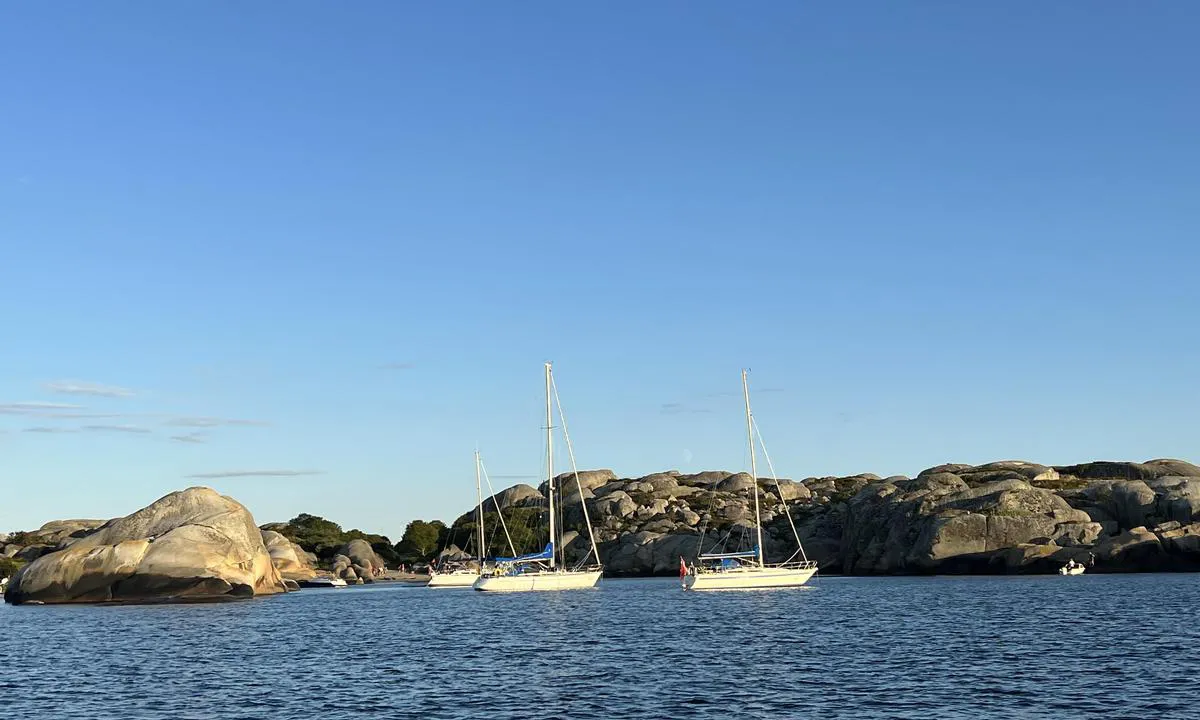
[1010,516]
[61,533]
[515,496]
[343,567]
[917,526]
[292,562]
[54,535]
[363,559]
[1137,547]
[190,545]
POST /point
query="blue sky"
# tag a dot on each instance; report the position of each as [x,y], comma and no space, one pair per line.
[936,232]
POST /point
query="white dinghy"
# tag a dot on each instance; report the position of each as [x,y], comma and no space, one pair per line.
[1071,568]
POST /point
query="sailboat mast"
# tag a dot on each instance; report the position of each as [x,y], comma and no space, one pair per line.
[550,466]
[753,466]
[479,511]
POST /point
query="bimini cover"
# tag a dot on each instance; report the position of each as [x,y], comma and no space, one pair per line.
[532,557]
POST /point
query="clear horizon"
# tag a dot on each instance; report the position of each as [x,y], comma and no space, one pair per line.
[314,258]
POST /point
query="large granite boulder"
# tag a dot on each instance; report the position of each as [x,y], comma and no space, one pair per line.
[736,483]
[1132,503]
[647,553]
[453,553]
[919,525]
[363,558]
[588,480]
[1137,503]
[29,553]
[61,533]
[616,504]
[1181,540]
[1177,497]
[1134,550]
[1149,470]
[190,545]
[54,535]
[292,562]
[516,496]
[791,491]
[344,568]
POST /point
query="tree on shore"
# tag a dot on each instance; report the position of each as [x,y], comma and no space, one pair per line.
[420,539]
[325,538]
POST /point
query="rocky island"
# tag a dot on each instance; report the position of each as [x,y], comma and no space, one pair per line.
[194,545]
[190,545]
[1000,517]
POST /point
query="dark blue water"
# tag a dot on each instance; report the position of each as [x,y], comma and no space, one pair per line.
[1038,647]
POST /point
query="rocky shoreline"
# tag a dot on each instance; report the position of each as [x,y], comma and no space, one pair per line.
[997,518]
[1003,517]
[190,546]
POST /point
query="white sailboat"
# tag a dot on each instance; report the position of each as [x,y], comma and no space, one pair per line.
[463,576]
[547,570]
[747,570]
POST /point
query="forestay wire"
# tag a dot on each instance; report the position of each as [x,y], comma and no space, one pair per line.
[575,471]
[779,489]
[499,514]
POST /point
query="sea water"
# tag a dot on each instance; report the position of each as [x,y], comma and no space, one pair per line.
[1038,647]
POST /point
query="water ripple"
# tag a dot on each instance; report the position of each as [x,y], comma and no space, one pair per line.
[1113,646]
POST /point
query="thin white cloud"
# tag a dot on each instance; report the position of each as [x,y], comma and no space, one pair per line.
[116,428]
[43,429]
[77,416]
[253,473]
[77,387]
[397,366]
[213,422]
[34,408]
[195,437]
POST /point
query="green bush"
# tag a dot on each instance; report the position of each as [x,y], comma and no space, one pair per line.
[1006,512]
[324,537]
[23,539]
[9,567]
[1066,482]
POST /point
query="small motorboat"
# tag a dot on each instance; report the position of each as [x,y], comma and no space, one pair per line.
[324,582]
[1071,568]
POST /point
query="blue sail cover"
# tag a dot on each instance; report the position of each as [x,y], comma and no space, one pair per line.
[532,557]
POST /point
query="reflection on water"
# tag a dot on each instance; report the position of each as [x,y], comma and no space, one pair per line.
[841,647]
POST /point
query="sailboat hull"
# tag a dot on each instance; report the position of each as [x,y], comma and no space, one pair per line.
[538,581]
[452,580]
[751,578]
